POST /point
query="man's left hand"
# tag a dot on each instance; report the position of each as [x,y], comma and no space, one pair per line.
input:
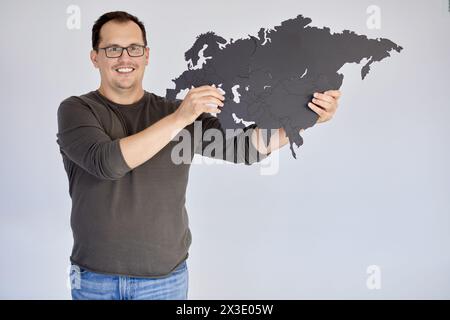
[325,104]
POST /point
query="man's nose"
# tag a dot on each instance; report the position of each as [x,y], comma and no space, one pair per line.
[125,55]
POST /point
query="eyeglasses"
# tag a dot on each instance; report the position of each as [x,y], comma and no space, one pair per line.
[135,50]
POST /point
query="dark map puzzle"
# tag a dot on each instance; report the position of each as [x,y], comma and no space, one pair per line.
[268,79]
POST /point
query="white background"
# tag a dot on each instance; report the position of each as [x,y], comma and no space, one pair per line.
[370,187]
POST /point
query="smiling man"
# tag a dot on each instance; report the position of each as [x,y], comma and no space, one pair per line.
[129,221]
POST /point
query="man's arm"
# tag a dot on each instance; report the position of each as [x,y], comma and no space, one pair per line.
[217,144]
[277,140]
[84,141]
[142,146]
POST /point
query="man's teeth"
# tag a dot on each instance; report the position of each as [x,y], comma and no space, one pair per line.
[124,70]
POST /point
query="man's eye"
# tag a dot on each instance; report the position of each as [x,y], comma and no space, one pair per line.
[134,48]
[114,49]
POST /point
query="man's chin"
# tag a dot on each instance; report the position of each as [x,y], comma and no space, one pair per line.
[125,86]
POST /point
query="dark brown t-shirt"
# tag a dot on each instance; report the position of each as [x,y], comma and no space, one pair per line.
[130,222]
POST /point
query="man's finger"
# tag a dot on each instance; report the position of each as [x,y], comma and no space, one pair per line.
[201,88]
[321,103]
[212,109]
[334,93]
[213,88]
[325,97]
[209,91]
[211,100]
[316,109]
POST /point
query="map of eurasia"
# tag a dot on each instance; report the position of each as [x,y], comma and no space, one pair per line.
[268,79]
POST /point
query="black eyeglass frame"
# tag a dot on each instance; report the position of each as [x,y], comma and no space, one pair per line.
[126,48]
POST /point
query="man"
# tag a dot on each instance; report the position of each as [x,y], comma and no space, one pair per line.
[129,221]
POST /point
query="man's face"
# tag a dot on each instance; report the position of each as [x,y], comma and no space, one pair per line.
[112,72]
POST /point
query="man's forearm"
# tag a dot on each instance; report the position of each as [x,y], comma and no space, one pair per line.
[277,140]
[140,147]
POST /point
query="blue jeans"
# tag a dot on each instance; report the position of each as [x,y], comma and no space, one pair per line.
[88,285]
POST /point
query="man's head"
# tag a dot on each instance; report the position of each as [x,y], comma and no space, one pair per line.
[111,32]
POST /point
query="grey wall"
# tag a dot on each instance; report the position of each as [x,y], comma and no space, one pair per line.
[369,187]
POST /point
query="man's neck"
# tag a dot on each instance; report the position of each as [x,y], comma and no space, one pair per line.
[124,96]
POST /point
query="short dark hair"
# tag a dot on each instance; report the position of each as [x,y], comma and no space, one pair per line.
[119,16]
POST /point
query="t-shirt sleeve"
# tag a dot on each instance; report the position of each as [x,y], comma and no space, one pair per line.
[216,144]
[82,138]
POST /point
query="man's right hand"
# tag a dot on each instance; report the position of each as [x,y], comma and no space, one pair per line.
[197,101]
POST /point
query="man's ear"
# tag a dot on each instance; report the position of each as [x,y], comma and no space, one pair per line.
[93,55]
[147,55]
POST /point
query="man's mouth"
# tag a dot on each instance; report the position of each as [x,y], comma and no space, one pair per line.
[124,70]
